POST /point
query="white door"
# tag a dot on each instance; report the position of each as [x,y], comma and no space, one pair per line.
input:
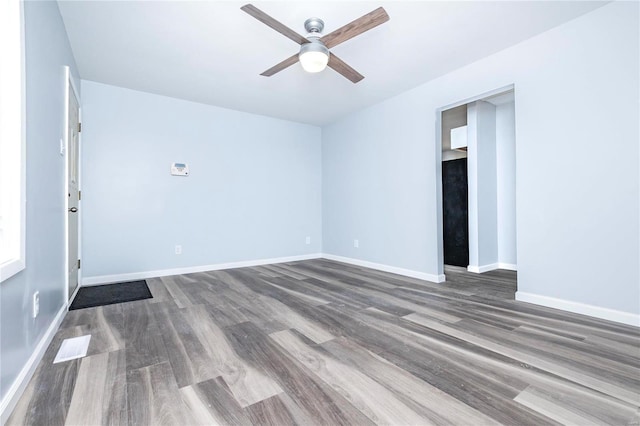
[72,189]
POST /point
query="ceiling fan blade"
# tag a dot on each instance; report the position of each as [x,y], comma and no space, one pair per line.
[276,25]
[357,27]
[282,65]
[342,68]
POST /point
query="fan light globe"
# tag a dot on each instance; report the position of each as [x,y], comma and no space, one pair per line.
[314,61]
[314,56]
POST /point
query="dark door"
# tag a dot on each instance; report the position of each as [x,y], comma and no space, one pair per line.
[455,205]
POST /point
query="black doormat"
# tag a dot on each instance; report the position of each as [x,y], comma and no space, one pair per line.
[108,294]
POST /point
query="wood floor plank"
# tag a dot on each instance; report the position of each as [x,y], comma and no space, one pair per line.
[223,310]
[631,396]
[153,397]
[273,412]
[432,403]
[158,291]
[486,390]
[265,271]
[312,300]
[593,402]
[597,360]
[277,268]
[626,350]
[536,401]
[179,293]
[248,384]
[212,403]
[144,344]
[334,295]
[372,399]
[343,275]
[99,395]
[104,323]
[48,396]
[189,361]
[319,401]
[576,408]
[269,307]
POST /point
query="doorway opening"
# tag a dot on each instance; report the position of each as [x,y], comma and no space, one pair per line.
[478,184]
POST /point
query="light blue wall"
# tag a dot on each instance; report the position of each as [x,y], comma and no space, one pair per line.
[253,190]
[577,183]
[376,186]
[47,51]
[483,187]
[506,176]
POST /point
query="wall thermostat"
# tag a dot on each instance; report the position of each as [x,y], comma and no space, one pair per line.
[179,169]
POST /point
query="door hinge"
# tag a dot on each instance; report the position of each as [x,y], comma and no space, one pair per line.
[78,263]
[79,127]
[79,195]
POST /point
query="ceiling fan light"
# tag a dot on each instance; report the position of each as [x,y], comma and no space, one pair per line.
[314,56]
[314,61]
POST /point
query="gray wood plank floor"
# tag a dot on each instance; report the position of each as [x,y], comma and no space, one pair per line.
[321,342]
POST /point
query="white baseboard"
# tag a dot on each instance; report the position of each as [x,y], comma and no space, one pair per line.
[132,276]
[18,386]
[492,267]
[508,266]
[75,293]
[482,268]
[580,308]
[395,270]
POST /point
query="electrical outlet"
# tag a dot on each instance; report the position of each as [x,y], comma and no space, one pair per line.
[356,243]
[36,304]
[178,249]
[307,240]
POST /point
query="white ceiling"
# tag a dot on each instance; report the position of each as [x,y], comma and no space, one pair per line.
[212,52]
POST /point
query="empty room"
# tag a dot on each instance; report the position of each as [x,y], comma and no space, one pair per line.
[319,213]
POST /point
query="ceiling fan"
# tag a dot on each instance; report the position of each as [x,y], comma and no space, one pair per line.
[314,52]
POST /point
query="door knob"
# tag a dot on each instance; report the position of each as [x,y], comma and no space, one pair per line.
[73,209]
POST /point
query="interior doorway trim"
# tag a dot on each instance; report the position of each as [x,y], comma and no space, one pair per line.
[69,85]
[439,215]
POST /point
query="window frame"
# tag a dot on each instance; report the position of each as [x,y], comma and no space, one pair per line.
[12,153]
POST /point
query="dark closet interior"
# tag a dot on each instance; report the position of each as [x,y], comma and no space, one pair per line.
[455,205]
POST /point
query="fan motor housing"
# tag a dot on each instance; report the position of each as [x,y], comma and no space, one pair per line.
[314,25]
[314,45]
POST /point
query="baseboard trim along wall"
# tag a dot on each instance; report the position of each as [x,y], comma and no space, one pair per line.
[19,385]
[482,268]
[108,279]
[580,308]
[381,267]
[508,266]
[132,276]
[492,267]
